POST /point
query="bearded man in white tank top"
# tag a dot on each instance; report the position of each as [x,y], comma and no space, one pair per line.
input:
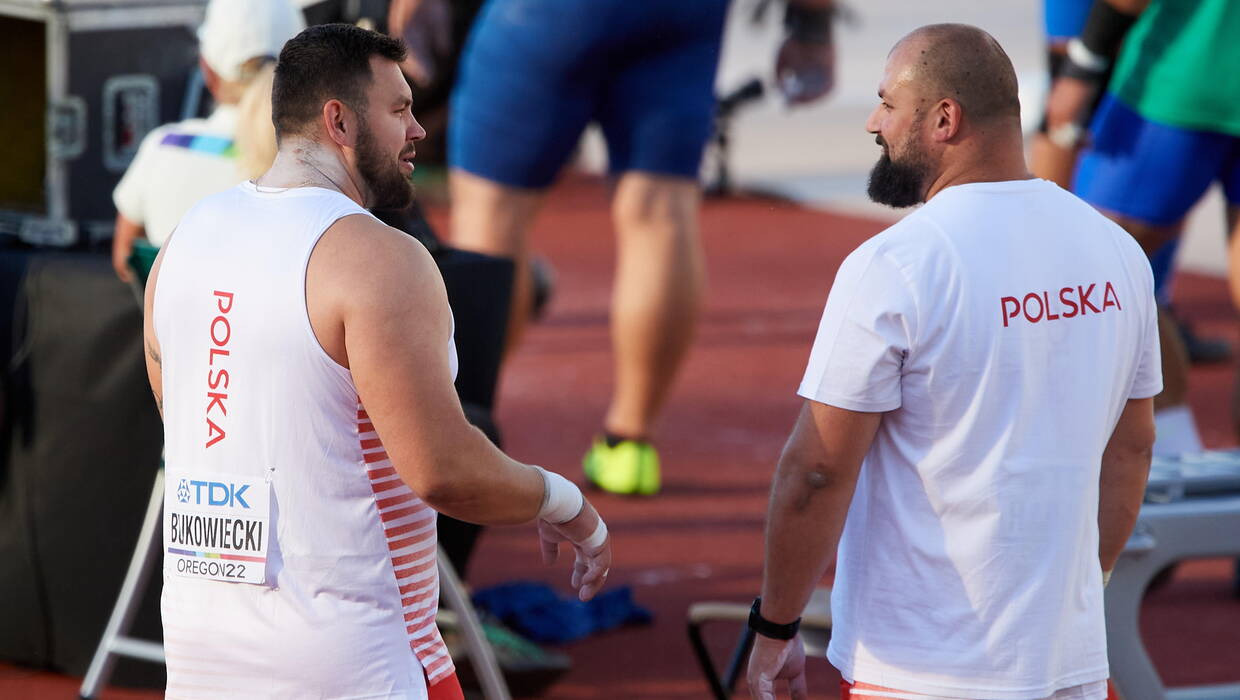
[301,353]
[978,421]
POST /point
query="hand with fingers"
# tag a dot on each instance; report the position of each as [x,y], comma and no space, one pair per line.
[587,534]
[566,516]
[805,63]
[804,71]
[775,660]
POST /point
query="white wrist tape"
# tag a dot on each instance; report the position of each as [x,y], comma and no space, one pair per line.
[596,538]
[562,500]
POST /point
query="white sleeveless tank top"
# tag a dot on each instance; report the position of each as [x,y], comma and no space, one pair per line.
[297,563]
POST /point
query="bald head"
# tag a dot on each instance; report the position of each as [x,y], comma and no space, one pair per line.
[948,114]
[963,63]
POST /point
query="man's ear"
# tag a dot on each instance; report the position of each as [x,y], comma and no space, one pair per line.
[340,123]
[946,118]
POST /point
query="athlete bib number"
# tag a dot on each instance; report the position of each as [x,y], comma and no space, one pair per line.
[216,527]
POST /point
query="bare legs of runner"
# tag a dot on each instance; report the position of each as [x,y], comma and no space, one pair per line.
[659,280]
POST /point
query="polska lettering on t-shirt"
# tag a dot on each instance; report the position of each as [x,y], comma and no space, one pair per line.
[218,379]
[1073,302]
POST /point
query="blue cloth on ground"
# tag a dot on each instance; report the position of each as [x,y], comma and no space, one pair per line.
[538,612]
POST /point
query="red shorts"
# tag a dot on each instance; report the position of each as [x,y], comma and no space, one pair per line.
[446,689]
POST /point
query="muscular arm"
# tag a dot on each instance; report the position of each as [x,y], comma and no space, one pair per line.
[378,305]
[813,488]
[1125,470]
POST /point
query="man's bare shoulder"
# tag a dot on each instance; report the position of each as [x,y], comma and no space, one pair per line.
[363,255]
[370,285]
[365,239]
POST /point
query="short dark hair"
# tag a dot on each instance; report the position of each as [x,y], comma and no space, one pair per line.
[967,64]
[325,62]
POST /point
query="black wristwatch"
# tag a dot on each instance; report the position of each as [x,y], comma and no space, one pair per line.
[766,628]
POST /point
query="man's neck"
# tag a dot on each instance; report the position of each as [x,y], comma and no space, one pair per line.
[304,163]
[1000,162]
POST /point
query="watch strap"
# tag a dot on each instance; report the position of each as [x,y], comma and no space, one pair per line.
[766,628]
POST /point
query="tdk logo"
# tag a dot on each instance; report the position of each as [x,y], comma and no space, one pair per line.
[212,493]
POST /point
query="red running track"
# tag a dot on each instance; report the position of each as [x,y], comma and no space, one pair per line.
[770,266]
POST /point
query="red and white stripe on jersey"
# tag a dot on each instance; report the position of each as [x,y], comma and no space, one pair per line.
[409,525]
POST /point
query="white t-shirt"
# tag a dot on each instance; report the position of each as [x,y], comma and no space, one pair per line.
[177,165]
[1002,327]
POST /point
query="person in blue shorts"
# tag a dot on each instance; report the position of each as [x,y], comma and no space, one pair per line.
[1167,128]
[533,75]
[1098,26]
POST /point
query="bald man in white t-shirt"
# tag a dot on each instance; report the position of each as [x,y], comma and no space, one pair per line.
[978,421]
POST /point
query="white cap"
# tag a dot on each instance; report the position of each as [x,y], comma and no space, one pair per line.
[235,31]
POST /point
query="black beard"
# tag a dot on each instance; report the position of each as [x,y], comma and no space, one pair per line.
[898,184]
[389,188]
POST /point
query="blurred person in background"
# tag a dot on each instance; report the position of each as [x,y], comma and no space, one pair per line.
[1053,156]
[1167,128]
[1102,25]
[180,163]
[534,74]
[977,473]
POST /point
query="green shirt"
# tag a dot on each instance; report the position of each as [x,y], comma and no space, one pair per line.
[1180,65]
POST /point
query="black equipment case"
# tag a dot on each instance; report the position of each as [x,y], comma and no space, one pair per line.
[81,82]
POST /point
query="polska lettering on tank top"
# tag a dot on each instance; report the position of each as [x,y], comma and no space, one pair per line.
[217,379]
[1071,302]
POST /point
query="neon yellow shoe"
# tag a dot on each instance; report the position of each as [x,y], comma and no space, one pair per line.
[631,467]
